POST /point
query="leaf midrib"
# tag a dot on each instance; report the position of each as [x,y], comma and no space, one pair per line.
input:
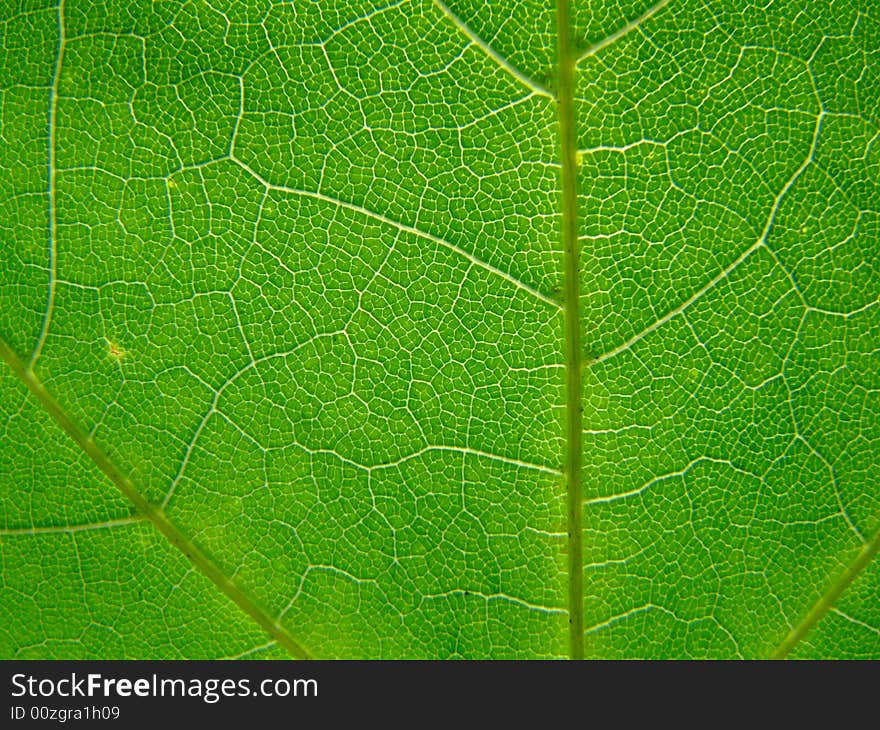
[573,385]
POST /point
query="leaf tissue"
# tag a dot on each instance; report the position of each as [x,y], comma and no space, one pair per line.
[422,329]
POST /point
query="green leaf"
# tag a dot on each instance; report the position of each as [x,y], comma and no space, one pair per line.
[439,329]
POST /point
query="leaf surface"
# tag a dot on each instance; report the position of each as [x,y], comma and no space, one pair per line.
[301,364]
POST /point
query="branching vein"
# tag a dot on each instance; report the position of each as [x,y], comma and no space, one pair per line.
[525,80]
[406,229]
[204,563]
[629,27]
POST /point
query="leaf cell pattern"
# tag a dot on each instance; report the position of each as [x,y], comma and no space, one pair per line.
[289,276]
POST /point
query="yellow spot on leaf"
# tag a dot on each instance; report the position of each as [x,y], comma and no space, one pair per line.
[115,351]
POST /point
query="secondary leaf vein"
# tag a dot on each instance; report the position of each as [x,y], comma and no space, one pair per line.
[156,515]
[405,228]
[52,170]
[524,79]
